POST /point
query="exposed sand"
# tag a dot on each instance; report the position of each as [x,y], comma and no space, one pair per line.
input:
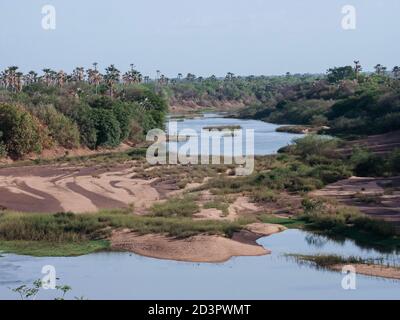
[372,270]
[241,206]
[350,192]
[200,248]
[57,188]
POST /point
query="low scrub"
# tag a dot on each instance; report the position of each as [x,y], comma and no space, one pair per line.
[176,207]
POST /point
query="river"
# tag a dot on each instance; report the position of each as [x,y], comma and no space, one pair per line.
[111,275]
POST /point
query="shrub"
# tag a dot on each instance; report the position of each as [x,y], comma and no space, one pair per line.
[108,132]
[3,151]
[314,145]
[22,132]
[264,195]
[394,162]
[62,129]
[367,164]
[183,207]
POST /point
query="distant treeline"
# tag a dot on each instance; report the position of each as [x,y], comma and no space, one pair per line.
[344,99]
[92,111]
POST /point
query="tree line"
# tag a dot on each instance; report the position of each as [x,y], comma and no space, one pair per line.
[81,109]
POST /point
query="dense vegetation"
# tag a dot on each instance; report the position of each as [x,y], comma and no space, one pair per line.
[70,111]
[344,99]
[102,110]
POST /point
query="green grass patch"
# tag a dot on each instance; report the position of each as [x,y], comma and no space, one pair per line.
[290,223]
[67,234]
[43,249]
[176,207]
[222,206]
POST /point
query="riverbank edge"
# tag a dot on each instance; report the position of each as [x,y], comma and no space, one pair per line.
[337,264]
[205,248]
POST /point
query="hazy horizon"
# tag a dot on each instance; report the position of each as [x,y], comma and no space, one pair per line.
[252,37]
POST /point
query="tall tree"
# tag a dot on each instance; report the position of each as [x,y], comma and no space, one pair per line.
[111,77]
[357,68]
[396,72]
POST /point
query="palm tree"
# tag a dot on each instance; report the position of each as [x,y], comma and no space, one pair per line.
[396,72]
[32,76]
[18,81]
[190,77]
[60,78]
[229,76]
[380,69]
[11,77]
[47,76]
[78,74]
[357,68]
[3,78]
[111,77]
[94,76]
[180,75]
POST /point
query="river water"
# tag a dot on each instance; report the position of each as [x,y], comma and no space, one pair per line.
[275,276]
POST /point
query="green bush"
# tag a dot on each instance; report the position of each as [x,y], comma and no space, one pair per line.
[182,207]
[394,162]
[367,164]
[61,129]
[22,132]
[264,195]
[3,151]
[314,145]
[108,131]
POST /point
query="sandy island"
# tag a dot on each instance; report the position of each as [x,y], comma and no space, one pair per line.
[200,248]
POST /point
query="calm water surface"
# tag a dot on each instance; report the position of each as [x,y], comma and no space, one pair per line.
[129,276]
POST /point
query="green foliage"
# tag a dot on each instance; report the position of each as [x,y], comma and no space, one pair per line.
[78,114]
[341,73]
[300,112]
[344,220]
[264,195]
[367,164]
[3,151]
[394,162]
[108,131]
[312,146]
[22,132]
[182,207]
[61,128]
[69,234]
[369,104]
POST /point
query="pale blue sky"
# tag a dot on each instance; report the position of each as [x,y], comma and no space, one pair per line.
[204,37]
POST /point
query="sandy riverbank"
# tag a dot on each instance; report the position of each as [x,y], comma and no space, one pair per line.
[372,270]
[200,248]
